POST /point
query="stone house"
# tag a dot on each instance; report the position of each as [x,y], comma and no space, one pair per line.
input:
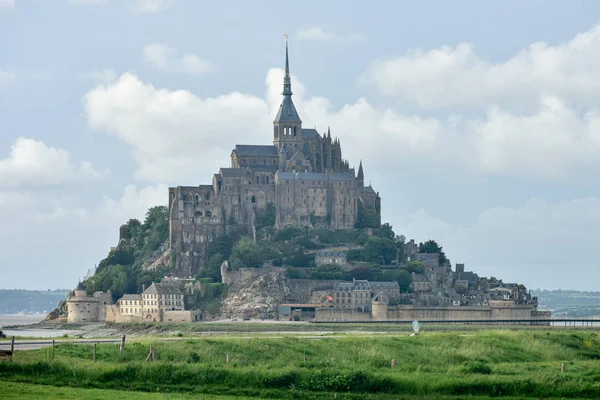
[330,257]
[358,294]
[159,298]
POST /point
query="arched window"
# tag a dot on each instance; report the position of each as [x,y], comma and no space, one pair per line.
[257,179]
[267,180]
[198,214]
[208,214]
[253,199]
[207,197]
[294,131]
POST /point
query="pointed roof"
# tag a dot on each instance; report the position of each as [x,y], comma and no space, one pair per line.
[80,286]
[361,174]
[287,111]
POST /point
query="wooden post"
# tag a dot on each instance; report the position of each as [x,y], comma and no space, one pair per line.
[122,349]
[562,368]
[227,359]
[94,354]
[12,348]
[53,343]
[305,359]
[149,358]
[153,354]
[394,363]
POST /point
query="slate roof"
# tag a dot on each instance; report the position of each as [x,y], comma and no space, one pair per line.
[316,176]
[131,297]
[163,288]
[287,111]
[384,285]
[255,150]
[309,133]
[231,172]
[331,253]
[343,287]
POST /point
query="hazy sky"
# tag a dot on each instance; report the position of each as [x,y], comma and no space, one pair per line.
[477,121]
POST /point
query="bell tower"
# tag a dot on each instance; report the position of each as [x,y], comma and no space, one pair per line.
[287,126]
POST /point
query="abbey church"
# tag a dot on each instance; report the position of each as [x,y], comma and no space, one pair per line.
[302,175]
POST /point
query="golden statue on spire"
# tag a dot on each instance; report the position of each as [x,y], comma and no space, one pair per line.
[286,36]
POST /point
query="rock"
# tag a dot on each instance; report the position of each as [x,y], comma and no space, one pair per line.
[257,297]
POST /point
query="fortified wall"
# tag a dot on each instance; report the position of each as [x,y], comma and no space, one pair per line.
[498,310]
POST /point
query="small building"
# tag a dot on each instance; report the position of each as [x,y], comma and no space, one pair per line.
[160,298]
[298,312]
[330,257]
[83,308]
[130,304]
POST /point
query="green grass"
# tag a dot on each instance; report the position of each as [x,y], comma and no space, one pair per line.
[497,363]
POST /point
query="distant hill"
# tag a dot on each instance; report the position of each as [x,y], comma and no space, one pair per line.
[569,303]
[14,301]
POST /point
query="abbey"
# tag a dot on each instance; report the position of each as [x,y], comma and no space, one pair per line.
[302,175]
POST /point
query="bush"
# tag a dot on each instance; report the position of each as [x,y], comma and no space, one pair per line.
[476,367]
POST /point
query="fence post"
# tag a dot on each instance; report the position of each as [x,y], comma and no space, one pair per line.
[12,348]
[94,354]
[227,359]
[53,342]
[122,349]
[562,368]
[394,363]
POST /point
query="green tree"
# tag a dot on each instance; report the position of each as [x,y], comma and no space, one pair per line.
[431,246]
[400,241]
[378,250]
[386,232]
[414,266]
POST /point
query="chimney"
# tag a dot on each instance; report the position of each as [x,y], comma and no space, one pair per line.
[143,288]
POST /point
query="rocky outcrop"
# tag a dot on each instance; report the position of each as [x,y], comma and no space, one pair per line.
[256,297]
[160,259]
[58,313]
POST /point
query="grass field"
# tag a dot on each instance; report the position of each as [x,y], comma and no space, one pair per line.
[499,363]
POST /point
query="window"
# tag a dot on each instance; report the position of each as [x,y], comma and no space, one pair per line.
[253,199]
[256,178]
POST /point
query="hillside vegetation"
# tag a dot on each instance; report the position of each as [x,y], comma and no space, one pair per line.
[484,363]
[121,271]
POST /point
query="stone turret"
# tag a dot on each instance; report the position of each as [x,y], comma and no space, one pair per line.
[287,125]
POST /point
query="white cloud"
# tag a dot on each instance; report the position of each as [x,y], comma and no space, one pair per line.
[33,164]
[457,76]
[164,57]
[318,34]
[53,224]
[152,6]
[537,242]
[6,77]
[87,1]
[7,4]
[167,129]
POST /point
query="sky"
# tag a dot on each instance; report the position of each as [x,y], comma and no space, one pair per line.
[477,122]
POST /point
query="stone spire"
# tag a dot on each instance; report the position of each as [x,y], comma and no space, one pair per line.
[361,175]
[287,80]
[287,111]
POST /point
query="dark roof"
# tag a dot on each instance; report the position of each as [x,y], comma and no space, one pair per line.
[163,288]
[310,133]
[131,297]
[384,285]
[231,172]
[331,253]
[316,176]
[287,111]
[255,150]
[80,286]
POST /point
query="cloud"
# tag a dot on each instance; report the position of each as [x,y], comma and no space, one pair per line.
[33,164]
[164,57]
[64,225]
[7,77]
[457,76]
[166,130]
[317,34]
[152,6]
[537,242]
[6,4]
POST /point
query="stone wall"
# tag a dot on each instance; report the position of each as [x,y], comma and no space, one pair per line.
[181,316]
[338,315]
[301,290]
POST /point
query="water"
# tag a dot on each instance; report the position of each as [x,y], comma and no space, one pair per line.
[8,320]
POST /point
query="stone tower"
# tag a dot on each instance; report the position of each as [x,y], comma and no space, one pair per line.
[287,125]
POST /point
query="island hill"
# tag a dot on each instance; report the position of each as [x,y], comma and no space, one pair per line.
[288,231]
